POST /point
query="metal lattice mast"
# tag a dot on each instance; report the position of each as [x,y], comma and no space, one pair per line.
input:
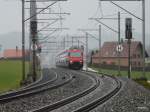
[23,41]
[33,38]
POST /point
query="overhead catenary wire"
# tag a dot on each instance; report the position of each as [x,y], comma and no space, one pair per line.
[48,35]
[106,26]
[126,11]
[40,11]
[48,25]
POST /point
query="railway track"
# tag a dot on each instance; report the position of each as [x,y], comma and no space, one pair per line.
[87,107]
[64,77]
[45,77]
[42,85]
[63,102]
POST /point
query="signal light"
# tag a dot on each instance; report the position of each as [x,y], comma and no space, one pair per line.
[128,28]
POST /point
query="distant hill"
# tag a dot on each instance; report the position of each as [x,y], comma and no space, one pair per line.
[11,40]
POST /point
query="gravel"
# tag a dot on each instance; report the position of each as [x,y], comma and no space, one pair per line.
[47,75]
[132,98]
[106,85]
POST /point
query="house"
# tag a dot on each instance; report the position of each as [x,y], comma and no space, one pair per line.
[109,55]
[14,54]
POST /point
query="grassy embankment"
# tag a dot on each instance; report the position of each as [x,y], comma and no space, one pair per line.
[135,75]
[10,74]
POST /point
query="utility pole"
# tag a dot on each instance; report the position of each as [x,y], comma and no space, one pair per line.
[72,41]
[64,42]
[119,43]
[99,47]
[128,35]
[23,41]
[67,40]
[129,59]
[143,32]
[86,51]
[88,34]
[78,43]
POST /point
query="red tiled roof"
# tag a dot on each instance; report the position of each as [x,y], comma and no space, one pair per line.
[109,49]
[13,53]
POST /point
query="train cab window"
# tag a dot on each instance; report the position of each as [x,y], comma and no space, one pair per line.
[75,54]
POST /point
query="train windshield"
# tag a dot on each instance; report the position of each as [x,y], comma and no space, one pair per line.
[75,54]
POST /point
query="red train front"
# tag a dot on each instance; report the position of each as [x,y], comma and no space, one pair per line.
[71,58]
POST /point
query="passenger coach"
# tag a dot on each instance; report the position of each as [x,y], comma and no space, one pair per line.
[70,58]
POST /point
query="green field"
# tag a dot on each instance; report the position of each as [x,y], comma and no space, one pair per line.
[135,75]
[10,74]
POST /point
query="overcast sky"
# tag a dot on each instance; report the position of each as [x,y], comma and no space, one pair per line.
[81,10]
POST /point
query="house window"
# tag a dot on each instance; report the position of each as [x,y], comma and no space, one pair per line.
[114,53]
[138,55]
[113,63]
[139,64]
[134,55]
[106,53]
[104,62]
[134,63]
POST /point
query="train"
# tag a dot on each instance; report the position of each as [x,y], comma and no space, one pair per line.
[71,58]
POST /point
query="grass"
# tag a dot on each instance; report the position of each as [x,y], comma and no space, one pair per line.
[135,75]
[10,74]
[144,83]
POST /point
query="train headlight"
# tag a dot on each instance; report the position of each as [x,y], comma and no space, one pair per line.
[80,61]
[71,61]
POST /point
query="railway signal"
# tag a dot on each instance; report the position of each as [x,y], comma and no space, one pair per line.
[128,34]
[128,30]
